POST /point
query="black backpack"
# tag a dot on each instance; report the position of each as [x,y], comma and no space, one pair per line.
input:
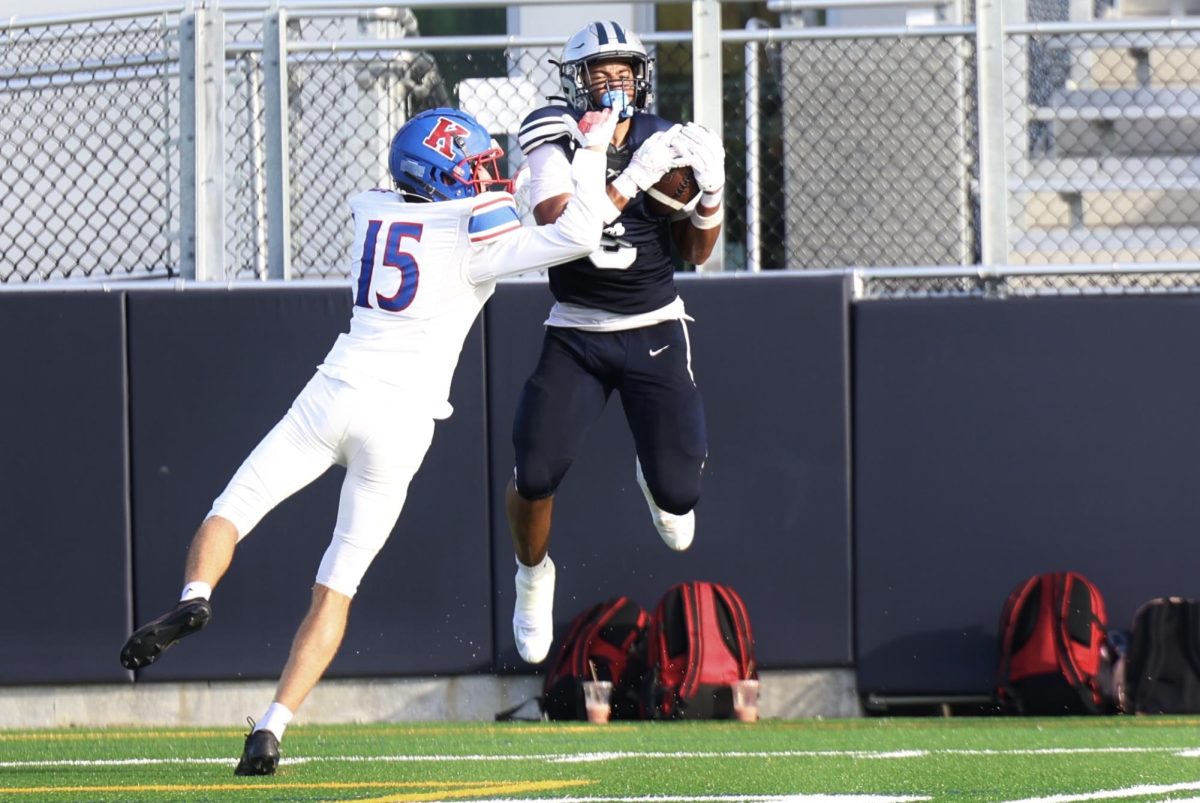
[1162,667]
[605,642]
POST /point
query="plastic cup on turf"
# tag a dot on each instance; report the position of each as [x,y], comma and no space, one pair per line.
[596,694]
[745,700]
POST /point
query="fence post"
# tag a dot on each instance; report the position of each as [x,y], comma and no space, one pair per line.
[707,90]
[202,144]
[753,133]
[258,158]
[993,187]
[275,85]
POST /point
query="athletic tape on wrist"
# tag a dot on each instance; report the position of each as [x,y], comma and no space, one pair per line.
[611,212]
[713,198]
[625,185]
[711,222]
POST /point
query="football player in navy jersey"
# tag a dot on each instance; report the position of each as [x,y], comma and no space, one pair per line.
[425,259]
[617,322]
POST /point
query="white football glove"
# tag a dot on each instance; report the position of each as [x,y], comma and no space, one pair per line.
[653,158]
[702,149]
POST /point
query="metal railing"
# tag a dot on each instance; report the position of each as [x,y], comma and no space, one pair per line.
[219,143]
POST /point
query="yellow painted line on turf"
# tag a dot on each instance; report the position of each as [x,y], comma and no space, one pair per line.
[77,737]
[474,791]
[453,786]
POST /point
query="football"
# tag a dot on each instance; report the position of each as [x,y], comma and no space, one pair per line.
[673,192]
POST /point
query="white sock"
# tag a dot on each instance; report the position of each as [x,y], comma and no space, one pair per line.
[195,590]
[534,571]
[533,610]
[275,720]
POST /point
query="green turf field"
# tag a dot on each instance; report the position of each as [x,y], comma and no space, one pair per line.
[839,761]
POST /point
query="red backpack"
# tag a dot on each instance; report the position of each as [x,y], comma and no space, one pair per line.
[1054,655]
[602,643]
[698,644]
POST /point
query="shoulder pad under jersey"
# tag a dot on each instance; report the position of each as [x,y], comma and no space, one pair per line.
[547,125]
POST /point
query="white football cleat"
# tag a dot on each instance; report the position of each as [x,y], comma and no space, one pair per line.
[533,613]
[677,531]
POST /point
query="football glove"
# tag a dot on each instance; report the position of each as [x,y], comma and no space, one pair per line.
[702,149]
[653,158]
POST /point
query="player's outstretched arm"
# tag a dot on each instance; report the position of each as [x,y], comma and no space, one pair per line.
[696,234]
[574,234]
[648,164]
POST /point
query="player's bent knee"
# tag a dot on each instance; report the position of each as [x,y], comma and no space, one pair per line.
[535,481]
[675,496]
[346,561]
[324,594]
[676,502]
[234,513]
[342,582]
[534,492]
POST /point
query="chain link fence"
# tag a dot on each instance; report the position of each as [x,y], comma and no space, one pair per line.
[345,105]
[878,143]
[844,147]
[1104,147]
[245,144]
[89,150]
[343,110]
[1012,282]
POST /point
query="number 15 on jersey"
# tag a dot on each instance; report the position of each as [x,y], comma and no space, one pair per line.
[379,267]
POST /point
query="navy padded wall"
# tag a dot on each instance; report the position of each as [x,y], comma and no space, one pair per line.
[996,439]
[769,357]
[212,372]
[63,488]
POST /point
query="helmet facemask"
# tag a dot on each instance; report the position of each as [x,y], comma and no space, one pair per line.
[598,43]
[481,171]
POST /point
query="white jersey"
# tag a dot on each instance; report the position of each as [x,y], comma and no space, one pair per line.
[422,272]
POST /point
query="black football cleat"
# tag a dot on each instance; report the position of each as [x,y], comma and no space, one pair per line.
[260,755]
[150,640]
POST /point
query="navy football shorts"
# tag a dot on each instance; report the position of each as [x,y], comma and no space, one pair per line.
[651,369]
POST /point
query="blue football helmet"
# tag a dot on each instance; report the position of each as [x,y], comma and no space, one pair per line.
[444,154]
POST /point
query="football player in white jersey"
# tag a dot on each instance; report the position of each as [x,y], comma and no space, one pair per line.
[617,322]
[426,256]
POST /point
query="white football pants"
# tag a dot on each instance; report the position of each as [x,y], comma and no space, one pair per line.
[380,443]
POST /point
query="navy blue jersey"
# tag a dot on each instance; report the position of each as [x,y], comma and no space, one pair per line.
[632,271]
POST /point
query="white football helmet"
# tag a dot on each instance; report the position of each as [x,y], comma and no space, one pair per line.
[604,41]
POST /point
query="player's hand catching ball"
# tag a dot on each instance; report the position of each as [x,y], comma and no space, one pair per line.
[703,150]
[653,158]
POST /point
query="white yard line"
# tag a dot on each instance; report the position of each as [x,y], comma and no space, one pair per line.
[571,758]
[1115,794]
